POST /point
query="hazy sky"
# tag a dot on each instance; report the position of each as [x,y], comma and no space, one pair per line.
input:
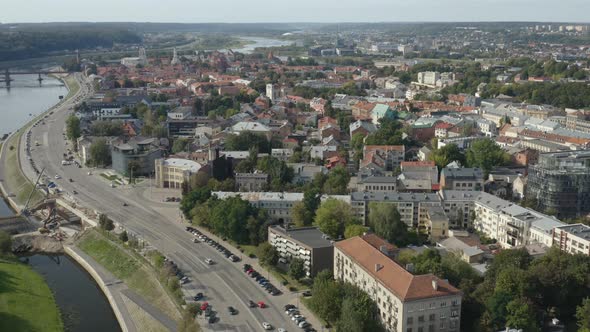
[195,11]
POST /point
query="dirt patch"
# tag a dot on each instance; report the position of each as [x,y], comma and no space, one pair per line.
[34,243]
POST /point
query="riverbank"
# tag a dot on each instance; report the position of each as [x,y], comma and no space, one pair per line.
[153,308]
[26,302]
[15,186]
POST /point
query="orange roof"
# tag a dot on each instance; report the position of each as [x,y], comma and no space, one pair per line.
[403,284]
[376,242]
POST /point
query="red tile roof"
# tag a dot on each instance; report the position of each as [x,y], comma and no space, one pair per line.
[403,284]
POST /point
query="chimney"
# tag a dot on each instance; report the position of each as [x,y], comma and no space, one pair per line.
[378,267]
[434,284]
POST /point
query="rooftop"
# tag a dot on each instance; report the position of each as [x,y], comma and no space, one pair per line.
[186,164]
[402,283]
[309,236]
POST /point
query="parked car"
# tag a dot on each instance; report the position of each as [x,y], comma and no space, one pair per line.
[261,304]
[204,306]
[266,326]
[251,304]
[209,261]
[232,310]
[198,297]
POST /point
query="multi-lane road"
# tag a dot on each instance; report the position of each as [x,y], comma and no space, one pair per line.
[224,284]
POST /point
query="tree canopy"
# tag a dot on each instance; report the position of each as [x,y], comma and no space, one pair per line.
[333,216]
[486,154]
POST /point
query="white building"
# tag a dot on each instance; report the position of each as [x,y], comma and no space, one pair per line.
[171,173]
[573,239]
[405,302]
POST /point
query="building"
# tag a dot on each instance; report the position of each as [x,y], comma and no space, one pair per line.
[573,239]
[251,181]
[405,302]
[306,243]
[272,91]
[469,179]
[278,205]
[377,183]
[419,176]
[428,77]
[142,151]
[383,157]
[172,172]
[141,60]
[560,181]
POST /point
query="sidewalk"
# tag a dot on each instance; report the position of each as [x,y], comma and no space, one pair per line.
[116,290]
[287,297]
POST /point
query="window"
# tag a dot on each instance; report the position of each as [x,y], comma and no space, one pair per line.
[454,313]
[432,317]
[443,304]
[409,329]
[410,320]
[421,318]
[420,329]
[431,328]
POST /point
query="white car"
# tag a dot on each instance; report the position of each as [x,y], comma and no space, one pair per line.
[209,261]
[57,177]
[281,330]
[266,326]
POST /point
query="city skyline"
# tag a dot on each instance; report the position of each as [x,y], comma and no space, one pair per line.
[182,11]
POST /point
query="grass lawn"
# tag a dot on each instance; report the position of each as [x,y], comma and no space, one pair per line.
[72,85]
[26,302]
[15,180]
[130,268]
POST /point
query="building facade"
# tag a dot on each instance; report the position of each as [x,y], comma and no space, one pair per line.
[306,243]
[406,302]
[251,181]
[171,173]
[465,179]
[573,239]
[560,182]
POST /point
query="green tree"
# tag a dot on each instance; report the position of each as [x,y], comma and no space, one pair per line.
[386,222]
[521,315]
[354,230]
[486,154]
[303,212]
[5,243]
[193,198]
[100,154]
[446,155]
[180,145]
[297,268]
[132,168]
[246,140]
[333,216]
[389,133]
[73,128]
[268,254]
[123,236]
[194,309]
[105,222]
[327,298]
[337,181]
[583,315]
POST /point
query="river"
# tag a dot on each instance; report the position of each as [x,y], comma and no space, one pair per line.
[81,302]
[83,306]
[261,42]
[26,98]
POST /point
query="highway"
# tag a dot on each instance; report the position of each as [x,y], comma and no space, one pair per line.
[223,283]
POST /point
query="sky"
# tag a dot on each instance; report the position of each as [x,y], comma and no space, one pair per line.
[232,11]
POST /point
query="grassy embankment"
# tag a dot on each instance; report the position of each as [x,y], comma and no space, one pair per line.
[130,267]
[15,181]
[26,302]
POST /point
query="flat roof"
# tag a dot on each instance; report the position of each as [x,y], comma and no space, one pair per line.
[309,236]
[187,164]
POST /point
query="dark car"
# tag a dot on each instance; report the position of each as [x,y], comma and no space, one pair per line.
[307,293]
[289,306]
[198,297]
[232,310]
[247,267]
[212,319]
[251,304]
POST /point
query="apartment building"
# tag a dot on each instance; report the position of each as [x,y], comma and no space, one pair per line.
[560,181]
[278,205]
[308,244]
[573,239]
[406,302]
[465,179]
[256,181]
[458,206]
[377,183]
[383,157]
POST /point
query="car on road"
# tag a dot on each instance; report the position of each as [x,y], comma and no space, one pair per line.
[232,310]
[252,304]
[290,306]
[212,319]
[198,297]
[266,326]
[280,329]
[303,324]
[209,261]
[261,304]
[75,192]
[57,177]
[307,293]
[204,306]
[195,240]
[70,179]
